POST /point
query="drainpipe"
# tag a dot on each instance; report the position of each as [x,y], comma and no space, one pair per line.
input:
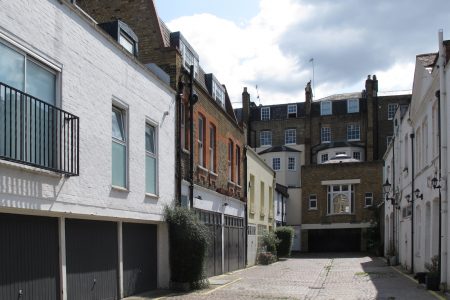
[412,201]
[393,193]
[245,205]
[192,100]
[179,100]
[439,189]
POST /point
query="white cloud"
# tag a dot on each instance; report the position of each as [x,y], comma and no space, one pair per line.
[272,49]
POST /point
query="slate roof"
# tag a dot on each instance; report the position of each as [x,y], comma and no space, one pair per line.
[165,33]
[344,96]
[278,149]
[428,59]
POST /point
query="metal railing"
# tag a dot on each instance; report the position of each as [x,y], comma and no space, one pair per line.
[38,134]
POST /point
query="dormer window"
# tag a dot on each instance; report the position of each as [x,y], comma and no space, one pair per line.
[126,42]
[218,93]
[123,34]
[325,108]
[352,106]
[265,113]
[292,111]
[189,58]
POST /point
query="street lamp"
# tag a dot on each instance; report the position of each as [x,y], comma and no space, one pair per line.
[418,194]
[386,187]
[435,183]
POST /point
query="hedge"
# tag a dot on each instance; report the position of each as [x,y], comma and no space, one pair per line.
[285,235]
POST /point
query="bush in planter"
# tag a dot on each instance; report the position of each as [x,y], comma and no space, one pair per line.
[266,258]
[270,242]
[188,242]
[285,236]
[433,277]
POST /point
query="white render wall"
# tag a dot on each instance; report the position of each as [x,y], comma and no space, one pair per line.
[95,72]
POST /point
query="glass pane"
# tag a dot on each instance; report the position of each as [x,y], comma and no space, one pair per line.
[150,175]
[117,125]
[12,67]
[150,138]
[118,164]
[126,43]
[40,83]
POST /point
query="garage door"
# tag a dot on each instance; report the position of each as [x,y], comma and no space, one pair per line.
[214,255]
[29,257]
[334,240]
[139,258]
[91,256]
[234,244]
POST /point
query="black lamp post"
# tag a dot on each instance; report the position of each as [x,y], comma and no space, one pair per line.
[418,194]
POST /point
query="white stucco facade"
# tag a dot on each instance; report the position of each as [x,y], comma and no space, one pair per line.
[93,73]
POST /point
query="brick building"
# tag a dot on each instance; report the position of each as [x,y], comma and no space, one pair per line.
[352,130]
[218,140]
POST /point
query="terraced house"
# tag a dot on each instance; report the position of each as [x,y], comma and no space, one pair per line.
[87,159]
[210,141]
[328,153]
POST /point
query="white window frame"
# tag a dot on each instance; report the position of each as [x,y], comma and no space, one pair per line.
[324,110]
[218,93]
[391,109]
[230,160]
[276,161]
[368,196]
[267,138]
[291,110]
[356,155]
[125,41]
[290,136]
[293,166]
[189,58]
[349,193]
[312,199]
[155,156]
[212,147]
[322,160]
[201,141]
[353,132]
[325,135]
[265,113]
[352,108]
[118,105]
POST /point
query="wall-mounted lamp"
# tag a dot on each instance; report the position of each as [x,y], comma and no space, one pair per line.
[225,204]
[408,198]
[386,190]
[418,194]
[435,183]
[199,197]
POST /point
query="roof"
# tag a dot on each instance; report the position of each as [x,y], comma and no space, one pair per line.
[282,190]
[341,158]
[238,114]
[165,33]
[341,97]
[278,149]
[428,59]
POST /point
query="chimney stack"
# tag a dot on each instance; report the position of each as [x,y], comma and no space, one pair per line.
[245,106]
[308,98]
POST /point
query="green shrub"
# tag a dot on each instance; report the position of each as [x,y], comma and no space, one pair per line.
[285,235]
[266,258]
[270,242]
[188,241]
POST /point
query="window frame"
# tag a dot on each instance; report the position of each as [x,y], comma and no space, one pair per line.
[124,36]
[265,113]
[155,155]
[230,160]
[351,130]
[201,142]
[278,163]
[356,153]
[238,165]
[390,112]
[311,199]
[292,114]
[325,132]
[355,109]
[268,138]
[123,108]
[294,168]
[212,147]
[332,193]
[288,134]
[323,112]
[322,156]
[368,195]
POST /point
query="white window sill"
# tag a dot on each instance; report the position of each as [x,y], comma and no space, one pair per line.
[186,151]
[313,208]
[290,144]
[367,206]
[150,195]
[325,142]
[214,174]
[119,188]
[203,168]
[265,146]
[353,140]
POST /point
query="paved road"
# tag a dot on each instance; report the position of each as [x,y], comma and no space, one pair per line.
[334,276]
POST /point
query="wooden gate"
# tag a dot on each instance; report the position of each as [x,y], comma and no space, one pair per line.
[214,255]
[29,257]
[234,244]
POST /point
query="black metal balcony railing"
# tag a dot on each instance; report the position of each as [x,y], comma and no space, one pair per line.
[38,134]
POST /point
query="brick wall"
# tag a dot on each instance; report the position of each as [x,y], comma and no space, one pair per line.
[370,174]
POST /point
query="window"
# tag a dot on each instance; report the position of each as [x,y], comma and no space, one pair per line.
[325,108]
[183,132]
[340,199]
[212,148]
[265,113]
[290,136]
[200,141]
[271,202]
[150,159]
[368,199]
[276,163]
[388,140]
[188,58]
[127,42]
[230,161]
[218,93]
[292,111]
[262,198]
[357,155]
[312,202]
[392,107]
[238,165]
[251,190]
[119,148]
[324,157]
[352,105]
[265,138]
[325,134]
[353,132]
[291,164]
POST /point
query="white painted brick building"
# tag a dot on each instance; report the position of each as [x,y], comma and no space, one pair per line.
[92,74]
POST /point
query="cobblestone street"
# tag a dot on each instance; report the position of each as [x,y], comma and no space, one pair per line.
[315,277]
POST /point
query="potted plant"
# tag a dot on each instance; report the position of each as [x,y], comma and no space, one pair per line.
[432,277]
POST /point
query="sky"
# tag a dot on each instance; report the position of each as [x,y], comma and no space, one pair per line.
[275,47]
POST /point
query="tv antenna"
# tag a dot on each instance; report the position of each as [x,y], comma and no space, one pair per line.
[257,95]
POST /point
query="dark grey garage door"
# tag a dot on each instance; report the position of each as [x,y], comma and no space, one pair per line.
[214,256]
[29,257]
[92,272]
[139,258]
[334,240]
[234,244]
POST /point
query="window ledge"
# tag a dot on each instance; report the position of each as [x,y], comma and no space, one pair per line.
[367,206]
[120,189]
[353,140]
[186,151]
[231,182]
[203,168]
[313,209]
[342,214]
[150,195]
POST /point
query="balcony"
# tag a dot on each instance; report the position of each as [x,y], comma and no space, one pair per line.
[37,134]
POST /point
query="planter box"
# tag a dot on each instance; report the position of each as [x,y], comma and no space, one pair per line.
[432,282]
[420,276]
